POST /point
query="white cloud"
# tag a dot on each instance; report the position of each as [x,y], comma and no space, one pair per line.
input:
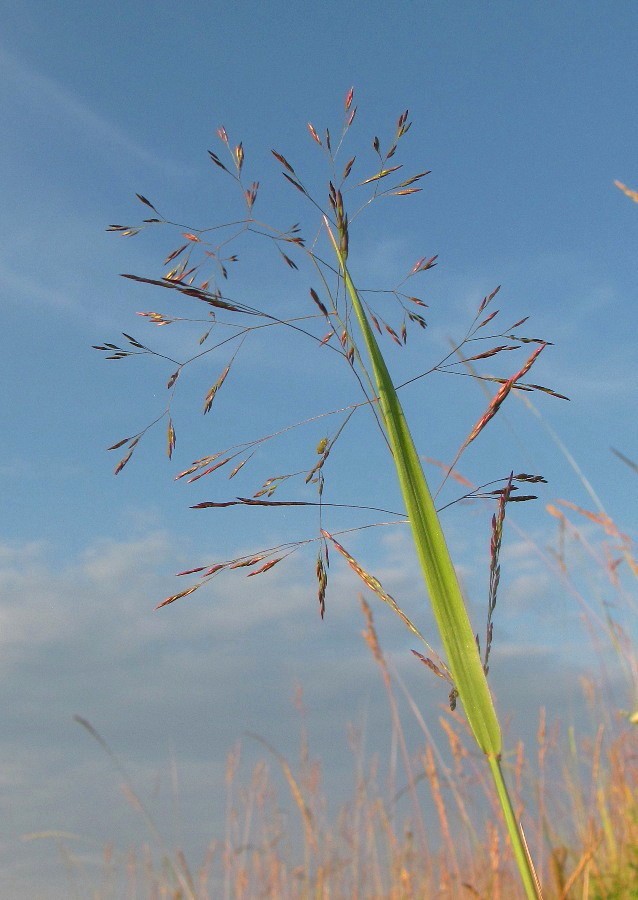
[81,637]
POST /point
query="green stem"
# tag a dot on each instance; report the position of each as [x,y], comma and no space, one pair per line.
[441,580]
[515,831]
[436,564]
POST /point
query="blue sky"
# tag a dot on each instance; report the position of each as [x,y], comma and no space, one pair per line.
[525,115]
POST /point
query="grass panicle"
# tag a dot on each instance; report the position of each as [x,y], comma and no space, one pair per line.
[350,325]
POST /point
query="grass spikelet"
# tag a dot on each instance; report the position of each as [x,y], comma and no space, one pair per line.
[122,463]
[375,586]
[170,439]
[495,569]
[212,393]
[499,398]
[322,580]
[265,568]
[628,192]
[178,596]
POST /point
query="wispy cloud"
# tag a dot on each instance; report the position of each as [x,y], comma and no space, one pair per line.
[22,287]
[39,88]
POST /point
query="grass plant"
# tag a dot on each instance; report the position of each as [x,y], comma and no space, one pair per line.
[198,269]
